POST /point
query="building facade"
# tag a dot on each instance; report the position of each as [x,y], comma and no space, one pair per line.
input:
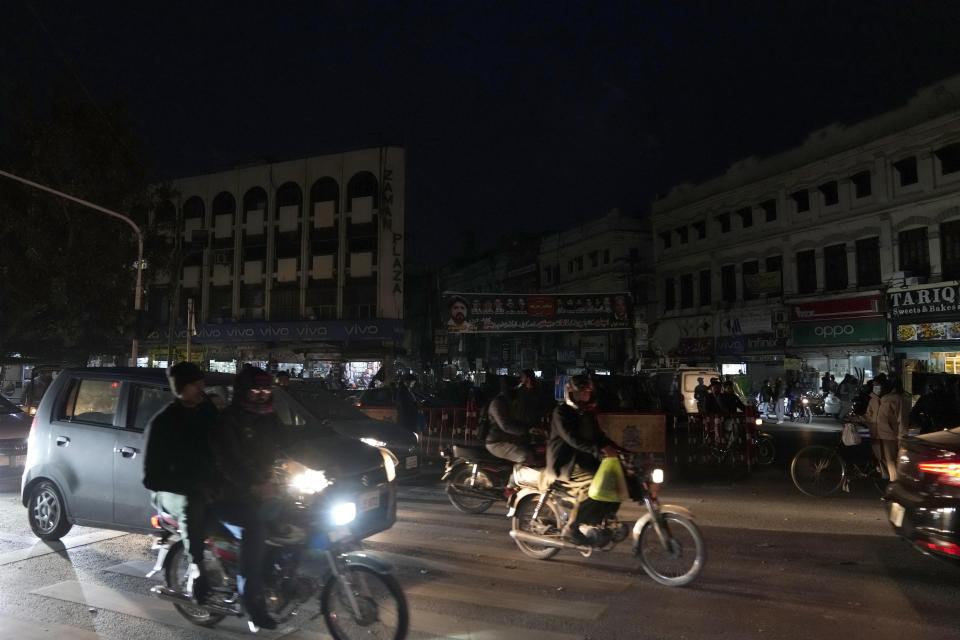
[786,263]
[289,259]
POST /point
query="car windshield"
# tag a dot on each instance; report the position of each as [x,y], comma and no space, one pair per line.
[7,407]
[303,406]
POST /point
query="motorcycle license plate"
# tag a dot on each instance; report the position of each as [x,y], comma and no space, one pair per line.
[896,514]
[369,501]
[411,462]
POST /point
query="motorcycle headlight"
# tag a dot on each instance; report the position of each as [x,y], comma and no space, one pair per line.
[373,442]
[656,476]
[389,463]
[806,401]
[343,513]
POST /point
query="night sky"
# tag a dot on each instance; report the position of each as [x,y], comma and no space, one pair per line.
[516,116]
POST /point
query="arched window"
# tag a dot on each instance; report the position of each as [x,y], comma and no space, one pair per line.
[193,208]
[289,194]
[363,184]
[325,190]
[255,200]
[224,204]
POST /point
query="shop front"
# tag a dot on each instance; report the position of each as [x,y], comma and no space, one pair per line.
[839,336]
[925,324]
[751,343]
[683,340]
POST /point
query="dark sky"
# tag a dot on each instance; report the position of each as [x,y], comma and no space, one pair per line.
[516,116]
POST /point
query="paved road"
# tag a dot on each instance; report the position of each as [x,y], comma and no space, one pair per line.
[780,566]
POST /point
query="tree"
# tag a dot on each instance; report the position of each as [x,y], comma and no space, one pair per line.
[66,272]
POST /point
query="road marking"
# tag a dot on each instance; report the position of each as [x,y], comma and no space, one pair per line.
[526,603]
[443,626]
[42,548]
[14,629]
[138,606]
[136,569]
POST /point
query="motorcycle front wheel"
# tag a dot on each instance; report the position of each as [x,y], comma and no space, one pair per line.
[677,559]
[382,606]
[177,575]
[464,479]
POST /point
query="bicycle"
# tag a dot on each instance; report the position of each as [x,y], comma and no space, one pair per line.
[818,470]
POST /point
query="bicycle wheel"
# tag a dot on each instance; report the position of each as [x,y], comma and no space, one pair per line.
[817,471]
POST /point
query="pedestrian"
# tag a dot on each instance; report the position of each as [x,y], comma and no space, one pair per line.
[825,383]
[846,392]
[700,394]
[833,384]
[883,418]
[780,400]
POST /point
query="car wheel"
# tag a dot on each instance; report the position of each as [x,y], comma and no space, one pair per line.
[47,512]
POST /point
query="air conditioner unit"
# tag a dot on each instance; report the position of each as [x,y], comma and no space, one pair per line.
[779,316]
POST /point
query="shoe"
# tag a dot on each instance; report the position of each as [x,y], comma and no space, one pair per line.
[256,610]
[571,533]
[201,590]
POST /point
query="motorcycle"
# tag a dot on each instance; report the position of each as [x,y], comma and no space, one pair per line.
[763,444]
[667,542]
[476,478]
[815,402]
[315,520]
[800,411]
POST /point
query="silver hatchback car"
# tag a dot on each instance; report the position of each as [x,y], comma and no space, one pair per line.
[85,450]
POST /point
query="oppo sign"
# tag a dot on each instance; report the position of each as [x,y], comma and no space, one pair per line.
[834,331]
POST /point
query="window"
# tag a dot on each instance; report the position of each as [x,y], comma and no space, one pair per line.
[861,184]
[669,295]
[774,264]
[724,220]
[746,217]
[546,276]
[802,200]
[606,256]
[950,249]
[835,267]
[706,283]
[749,272]
[807,271]
[147,402]
[949,157]
[594,259]
[667,240]
[907,170]
[915,252]
[686,291]
[683,232]
[579,262]
[701,229]
[868,262]
[728,283]
[831,195]
[770,208]
[569,266]
[91,401]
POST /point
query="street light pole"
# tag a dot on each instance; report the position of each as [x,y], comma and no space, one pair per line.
[138,294]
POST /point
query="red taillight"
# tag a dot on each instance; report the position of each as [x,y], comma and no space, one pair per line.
[948,548]
[946,472]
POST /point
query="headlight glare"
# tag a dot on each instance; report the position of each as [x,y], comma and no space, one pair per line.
[373,442]
[758,421]
[656,476]
[343,513]
[390,464]
[309,482]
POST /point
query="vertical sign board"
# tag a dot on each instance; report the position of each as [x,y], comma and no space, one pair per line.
[390,265]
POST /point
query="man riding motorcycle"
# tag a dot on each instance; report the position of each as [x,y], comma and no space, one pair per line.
[575,448]
[507,438]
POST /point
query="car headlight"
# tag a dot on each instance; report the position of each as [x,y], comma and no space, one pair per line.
[758,421]
[389,463]
[309,482]
[373,442]
[343,513]
[656,476]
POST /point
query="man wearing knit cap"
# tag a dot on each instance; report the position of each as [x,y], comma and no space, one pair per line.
[178,461]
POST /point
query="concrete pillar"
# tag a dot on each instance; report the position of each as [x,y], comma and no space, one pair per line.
[738,279]
[789,273]
[851,265]
[821,281]
[936,259]
[882,179]
[926,164]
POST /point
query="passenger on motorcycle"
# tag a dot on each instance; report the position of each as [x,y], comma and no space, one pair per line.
[507,437]
[246,445]
[575,448]
[178,461]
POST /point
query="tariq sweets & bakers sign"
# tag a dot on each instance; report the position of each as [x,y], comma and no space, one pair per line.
[927,313]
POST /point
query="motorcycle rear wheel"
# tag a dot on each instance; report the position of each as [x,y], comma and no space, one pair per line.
[681,561]
[464,478]
[374,593]
[549,521]
[176,575]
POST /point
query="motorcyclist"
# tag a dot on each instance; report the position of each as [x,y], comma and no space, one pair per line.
[246,445]
[178,460]
[507,437]
[575,449]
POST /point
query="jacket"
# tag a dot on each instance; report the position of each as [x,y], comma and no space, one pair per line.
[884,416]
[503,427]
[178,458]
[871,415]
[575,440]
[245,446]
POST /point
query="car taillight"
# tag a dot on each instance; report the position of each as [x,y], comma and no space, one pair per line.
[948,548]
[946,472]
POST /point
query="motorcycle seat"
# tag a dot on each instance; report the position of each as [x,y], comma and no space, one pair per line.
[473,453]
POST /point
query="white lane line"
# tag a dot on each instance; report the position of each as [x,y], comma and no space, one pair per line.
[138,606]
[513,601]
[41,548]
[136,569]
[15,629]
[442,626]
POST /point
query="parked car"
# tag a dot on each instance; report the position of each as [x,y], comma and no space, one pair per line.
[85,451]
[924,503]
[14,429]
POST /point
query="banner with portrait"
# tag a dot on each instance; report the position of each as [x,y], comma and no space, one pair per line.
[535,312]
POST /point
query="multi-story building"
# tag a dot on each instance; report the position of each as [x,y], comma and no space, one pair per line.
[788,261]
[291,261]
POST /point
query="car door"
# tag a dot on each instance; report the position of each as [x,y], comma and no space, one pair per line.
[84,432]
[131,500]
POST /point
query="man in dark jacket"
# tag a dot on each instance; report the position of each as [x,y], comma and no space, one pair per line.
[177,461]
[507,437]
[575,448]
[246,445]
